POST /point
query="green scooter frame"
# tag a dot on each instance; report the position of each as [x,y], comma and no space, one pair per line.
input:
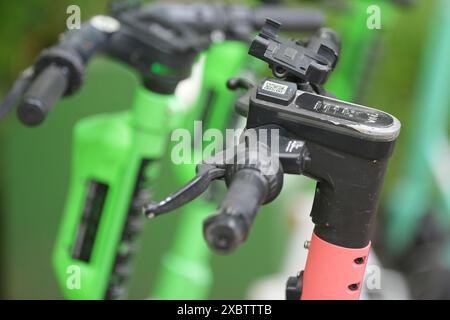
[113,155]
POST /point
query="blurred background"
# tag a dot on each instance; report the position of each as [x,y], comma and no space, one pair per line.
[35,163]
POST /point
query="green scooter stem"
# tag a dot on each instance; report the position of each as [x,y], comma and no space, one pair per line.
[112,154]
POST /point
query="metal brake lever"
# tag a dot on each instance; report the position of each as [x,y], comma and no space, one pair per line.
[190,191]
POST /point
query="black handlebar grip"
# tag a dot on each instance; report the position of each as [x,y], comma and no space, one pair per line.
[46,89]
[227,229]
[291,19]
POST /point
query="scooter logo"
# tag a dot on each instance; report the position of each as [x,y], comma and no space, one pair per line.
[73,281]
[73,21]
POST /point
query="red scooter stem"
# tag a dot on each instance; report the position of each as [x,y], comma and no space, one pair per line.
[333,272]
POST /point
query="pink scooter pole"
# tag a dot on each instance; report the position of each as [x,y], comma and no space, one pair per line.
[333,272]
[344,210]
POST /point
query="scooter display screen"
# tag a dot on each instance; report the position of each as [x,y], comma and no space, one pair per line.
[320,118]
[346,111]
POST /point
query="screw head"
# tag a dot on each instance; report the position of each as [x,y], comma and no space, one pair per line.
[307,244]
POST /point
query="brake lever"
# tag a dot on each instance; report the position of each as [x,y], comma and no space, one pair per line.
[206,173]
